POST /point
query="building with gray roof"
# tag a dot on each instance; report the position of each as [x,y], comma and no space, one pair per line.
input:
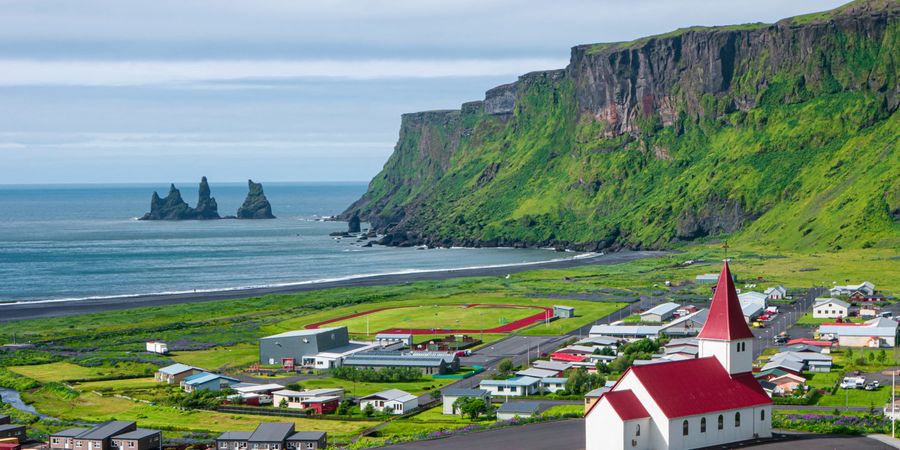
[115,434]
[450,396]
[510,410]
[272,436]
[428,363]
[300,347]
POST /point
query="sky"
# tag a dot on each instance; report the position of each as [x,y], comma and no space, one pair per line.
[123,91]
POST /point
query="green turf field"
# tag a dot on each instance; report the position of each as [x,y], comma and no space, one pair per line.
[436,316]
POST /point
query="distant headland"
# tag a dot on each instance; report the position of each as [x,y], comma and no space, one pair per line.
[173,207]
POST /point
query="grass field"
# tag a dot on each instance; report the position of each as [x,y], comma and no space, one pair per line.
[808,320]
[425,422]
[63,371]
[438,316]
[220,357]
[564,409]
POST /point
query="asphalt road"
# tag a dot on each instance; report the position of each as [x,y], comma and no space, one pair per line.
[787,316]
[36,310]
[569,435]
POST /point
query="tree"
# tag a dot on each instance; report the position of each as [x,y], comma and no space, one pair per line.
[369,410]
[506,366]
[294,387]
[871,357]
[343,408]
[471,407]
[283,403]
[435,394]
[849,354]
[882,356]
[603,368]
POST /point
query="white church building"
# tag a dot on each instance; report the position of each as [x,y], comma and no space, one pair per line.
[695,403]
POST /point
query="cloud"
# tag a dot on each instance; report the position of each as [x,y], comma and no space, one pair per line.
[23,72]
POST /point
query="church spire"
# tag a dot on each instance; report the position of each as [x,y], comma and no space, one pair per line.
[725,320]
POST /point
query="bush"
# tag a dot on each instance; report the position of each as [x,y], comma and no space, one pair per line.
[387,374]
[13,381]
[832,424]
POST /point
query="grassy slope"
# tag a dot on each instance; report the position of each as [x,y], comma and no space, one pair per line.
[816,160]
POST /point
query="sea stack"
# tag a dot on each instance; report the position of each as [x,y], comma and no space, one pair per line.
[353,224]
[256,205]
[173,207]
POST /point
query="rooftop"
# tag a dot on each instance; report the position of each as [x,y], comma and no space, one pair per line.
[464,392]
[234,436]
[307,436]
[631,330]
[272,432]
[106,430]
[663,309]
[140,433]
[537,373]
[835,301]
[520,407]
[626,404]
[175,369]
[391,394]
[70,432]
[515,381]
[310,332]
[725,320]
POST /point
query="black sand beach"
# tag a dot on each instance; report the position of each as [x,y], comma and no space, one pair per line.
[36,310]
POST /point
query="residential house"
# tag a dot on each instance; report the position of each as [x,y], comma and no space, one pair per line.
[391,401]
[776,293]
[537,373]
[688,325]
[511,410]
[157,347]
[205,381]
[107,436]
[553,384]
[864,288]
[272,436]
[255,394]
[517,386]
[593,396]
[318,399]
[710,401]
[563,312]
[875,333]
[451,395]
[830,308]
[385,339]
[787,365]
[176,373]
[629,332]
[824,345]
[12,433]
[660,313]
[138,439]
[428,363]
[869,310]
[787,383]
[557,366]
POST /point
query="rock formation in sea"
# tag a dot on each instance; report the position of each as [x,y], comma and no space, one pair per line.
[173,207]
[256,205]
[353,223]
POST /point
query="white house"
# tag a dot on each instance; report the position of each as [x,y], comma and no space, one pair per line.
[157,347]
[830,308]
[864,288]
[553,384]
[875,333]
[709,401]
[392,401]
[517,386]
[385,339]
[776,293]
[261,392]
[450,396]
[298,399]
[511,410]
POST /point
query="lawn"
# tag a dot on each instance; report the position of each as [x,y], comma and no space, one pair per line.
[64,371]
[424,316]
[559,410]
[220,357]
[866,359]
[809,321]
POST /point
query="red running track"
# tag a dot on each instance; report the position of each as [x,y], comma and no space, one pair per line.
[507,328]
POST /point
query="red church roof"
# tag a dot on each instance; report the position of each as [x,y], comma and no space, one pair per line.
[696,386]
[725,320]
[625,404]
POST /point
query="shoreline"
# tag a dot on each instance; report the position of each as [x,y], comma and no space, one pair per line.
[72,307]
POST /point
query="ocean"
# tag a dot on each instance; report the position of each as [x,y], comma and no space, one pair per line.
[84,241]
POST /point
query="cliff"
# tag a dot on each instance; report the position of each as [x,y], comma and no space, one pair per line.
[256,205]
[173,207]
[780,134]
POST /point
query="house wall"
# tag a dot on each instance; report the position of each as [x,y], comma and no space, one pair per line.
[62,442]
[148,443]
[604,430]
[755,422]
[304,445]
[863,341]
[173,379]
[510,391]
[829,311]
[733,360]
[231,445]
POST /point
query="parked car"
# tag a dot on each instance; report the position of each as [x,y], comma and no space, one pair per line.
[872,385]
[853,383]
[781,340]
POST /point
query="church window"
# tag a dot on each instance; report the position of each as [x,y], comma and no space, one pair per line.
[685,428]
[703,425]
[721,422]
[737,420]
[637,431]
[762,414]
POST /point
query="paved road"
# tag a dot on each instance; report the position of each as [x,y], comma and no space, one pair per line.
[569,435]
[787,316]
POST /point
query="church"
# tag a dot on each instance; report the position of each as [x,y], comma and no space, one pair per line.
[711,400]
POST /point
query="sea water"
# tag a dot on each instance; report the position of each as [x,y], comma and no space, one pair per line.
[84,241]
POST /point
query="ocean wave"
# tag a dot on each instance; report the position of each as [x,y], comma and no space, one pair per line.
[298,283]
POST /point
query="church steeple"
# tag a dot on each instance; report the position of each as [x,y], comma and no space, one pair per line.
[725,335]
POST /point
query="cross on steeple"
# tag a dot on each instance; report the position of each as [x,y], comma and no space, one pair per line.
[725,246]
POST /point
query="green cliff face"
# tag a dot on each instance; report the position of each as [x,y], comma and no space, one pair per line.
[783,135]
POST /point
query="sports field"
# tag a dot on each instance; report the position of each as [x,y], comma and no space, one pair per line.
[430,319]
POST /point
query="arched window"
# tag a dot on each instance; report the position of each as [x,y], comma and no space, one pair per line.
[721,422]
[737,420]
[762,414]
[685,428]
[637,431]
[703,425]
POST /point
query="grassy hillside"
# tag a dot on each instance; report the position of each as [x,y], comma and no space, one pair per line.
[797,152]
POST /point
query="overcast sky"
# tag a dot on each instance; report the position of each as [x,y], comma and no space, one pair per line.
[168,90]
